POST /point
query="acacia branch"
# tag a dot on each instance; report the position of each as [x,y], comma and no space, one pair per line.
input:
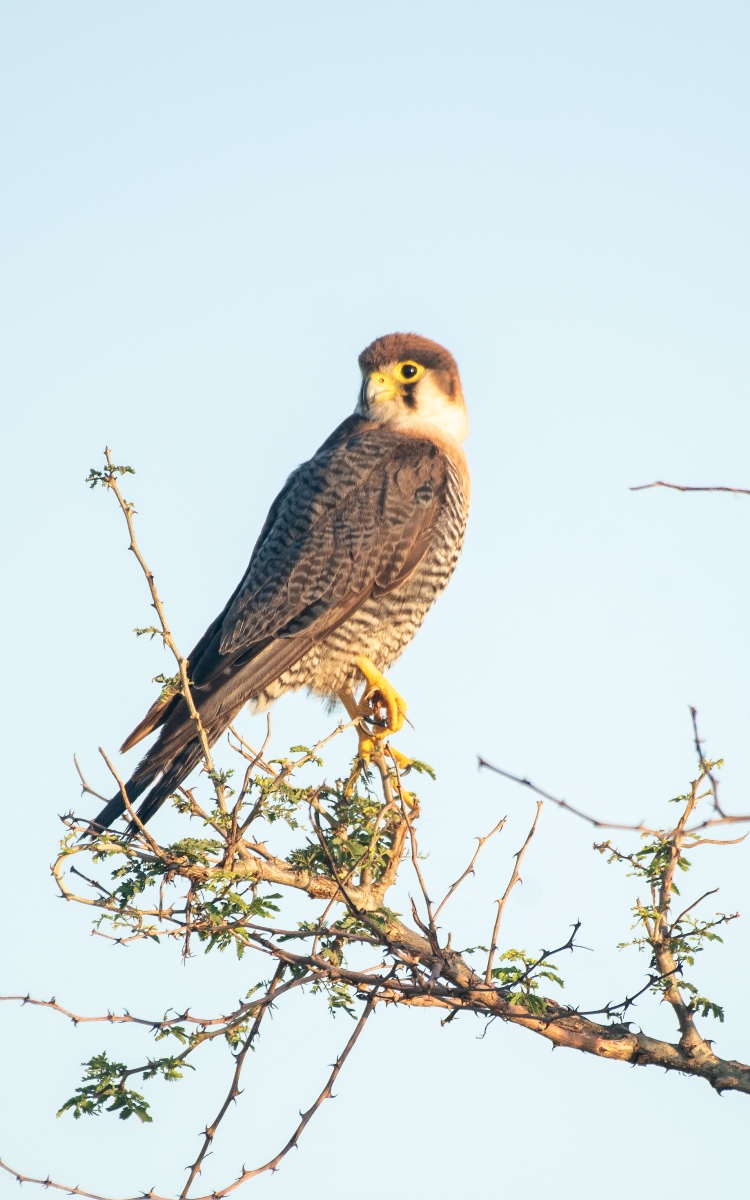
[577,812]
[514,879]
[245,1174]
[234,1090]
[352,862]
[110,480]
[640,827]
[470,869]
[307,1116]
[679,487]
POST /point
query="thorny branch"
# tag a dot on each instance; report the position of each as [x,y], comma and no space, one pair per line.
[108,478]
[210,1131]
[680,487]
[351,840]
[721,819]
[514,879]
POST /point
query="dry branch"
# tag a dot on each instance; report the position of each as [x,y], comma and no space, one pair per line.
[680,487]
[347,943]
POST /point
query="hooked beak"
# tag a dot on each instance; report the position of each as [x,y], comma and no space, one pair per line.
[379,386]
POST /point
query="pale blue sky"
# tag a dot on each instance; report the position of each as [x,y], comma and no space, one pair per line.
[208,210]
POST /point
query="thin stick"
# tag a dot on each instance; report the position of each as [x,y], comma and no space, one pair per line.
[166,634]
[577,812]
[470,869]
[85,789]
[210,1131]
[273,1163]
[679,487]
[153,844]
[514,879]
[703,761]
[641,827]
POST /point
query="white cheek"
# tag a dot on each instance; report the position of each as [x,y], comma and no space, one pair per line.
[434,406]
[434,410]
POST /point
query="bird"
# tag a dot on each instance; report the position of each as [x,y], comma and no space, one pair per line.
[357,546]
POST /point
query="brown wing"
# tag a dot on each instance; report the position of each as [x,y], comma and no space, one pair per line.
[353,522]
[160,709]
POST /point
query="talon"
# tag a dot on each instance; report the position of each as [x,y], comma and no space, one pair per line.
[402,761]
[367,747]
[394,704]
[403,764]
[378,694]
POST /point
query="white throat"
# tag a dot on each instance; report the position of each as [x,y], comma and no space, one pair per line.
[434,410]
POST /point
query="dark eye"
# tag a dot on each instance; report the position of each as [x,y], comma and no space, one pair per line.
[408,371]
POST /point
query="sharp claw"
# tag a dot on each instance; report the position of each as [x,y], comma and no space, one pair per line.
[394,704]
[402,761]
[378,694]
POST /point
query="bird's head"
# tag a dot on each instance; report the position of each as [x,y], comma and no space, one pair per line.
[410,381]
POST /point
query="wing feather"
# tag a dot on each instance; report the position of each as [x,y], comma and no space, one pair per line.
[354,521]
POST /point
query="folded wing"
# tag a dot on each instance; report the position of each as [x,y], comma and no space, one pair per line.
[353,522]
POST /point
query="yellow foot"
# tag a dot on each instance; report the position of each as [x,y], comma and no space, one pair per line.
[402,761]
[402,764]
[368,746]
[380,695]
[381,706]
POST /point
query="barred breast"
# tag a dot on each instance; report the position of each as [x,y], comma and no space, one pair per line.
[383,626]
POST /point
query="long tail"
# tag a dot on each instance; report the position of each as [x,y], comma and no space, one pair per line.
[176,751]
[173,756]
[141,779]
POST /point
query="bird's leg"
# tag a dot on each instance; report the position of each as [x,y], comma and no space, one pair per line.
[402,761]
[379,695]
[367,743]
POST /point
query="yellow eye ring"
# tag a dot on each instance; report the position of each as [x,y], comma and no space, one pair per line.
[409,371]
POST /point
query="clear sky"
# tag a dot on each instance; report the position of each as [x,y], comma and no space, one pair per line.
[208,209]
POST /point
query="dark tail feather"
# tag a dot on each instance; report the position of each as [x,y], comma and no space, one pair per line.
[173,762]
[176,751]
[135,787]
[169,782]
[156,716]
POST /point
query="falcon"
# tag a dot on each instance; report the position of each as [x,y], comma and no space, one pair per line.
[355,549]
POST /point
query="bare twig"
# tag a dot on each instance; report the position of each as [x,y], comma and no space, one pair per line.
[128,512]
[514,879]
[640,828]
[153,845]
[704,764]
[210,1132]
[325,1094]
[470,869]
[85,789]
[679,487]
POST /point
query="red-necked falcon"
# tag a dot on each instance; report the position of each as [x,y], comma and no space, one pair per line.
[356,547]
